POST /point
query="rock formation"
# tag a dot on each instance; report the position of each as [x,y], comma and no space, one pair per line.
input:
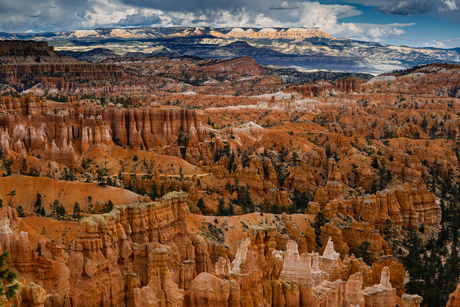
[142,252]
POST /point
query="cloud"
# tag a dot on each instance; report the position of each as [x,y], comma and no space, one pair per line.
[406,8]
[435,44]
[284,6]
[36,13]
[409,7]
[64,15]
[450,6]
[139,19]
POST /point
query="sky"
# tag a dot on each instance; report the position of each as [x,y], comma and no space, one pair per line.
[421,23]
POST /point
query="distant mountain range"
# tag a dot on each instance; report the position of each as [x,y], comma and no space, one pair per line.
[300,48]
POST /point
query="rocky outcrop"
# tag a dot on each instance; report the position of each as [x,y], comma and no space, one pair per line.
[382,294]
[244,65]
[402,206]
[270,33]
[348,86]
[208,290]
[23,255]
[63,132]
[279,278]
[454,298]
[357,233]
[141,252]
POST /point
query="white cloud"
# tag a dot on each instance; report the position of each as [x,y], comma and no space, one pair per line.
[284,6]
[435,44]
[61,15]
[450,6]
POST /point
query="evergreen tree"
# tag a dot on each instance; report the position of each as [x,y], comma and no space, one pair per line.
[320,220]
[275,209]
[108,206]
[181,174]
[39,250]
[375,163]
[153,194]
[230,210]
[38,203]
[201,206]
[54,207]
[300,200]
[292,209]
[60,211]
[265,206]
[20,211]
[362,251]
[221,208]
[77,211]
[8,284]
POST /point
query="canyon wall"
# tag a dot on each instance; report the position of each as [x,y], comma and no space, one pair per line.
[62,131]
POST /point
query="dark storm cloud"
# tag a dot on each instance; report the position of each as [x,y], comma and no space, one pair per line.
[406,8]
[409,7]
[140,20]
[21,15]
[202,5]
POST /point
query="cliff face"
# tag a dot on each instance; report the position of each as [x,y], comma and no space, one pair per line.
[62,132]
[244,65]
[273,278]
[30,52]
[270,33]
[141,253]
[17,70]
[402,206]
[454,298]
[27,64]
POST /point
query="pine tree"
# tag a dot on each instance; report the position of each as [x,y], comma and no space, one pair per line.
[275,209]
[221,208]
[292,209]
[375,163]
[77,211]
[60,211]
[39,250]
[361,251]
[8,277]
[38,203]
[181,174]
[320,220]
[230,210]
[201,206]
[265,206]
[153,194]
[108,206]
[20,211]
